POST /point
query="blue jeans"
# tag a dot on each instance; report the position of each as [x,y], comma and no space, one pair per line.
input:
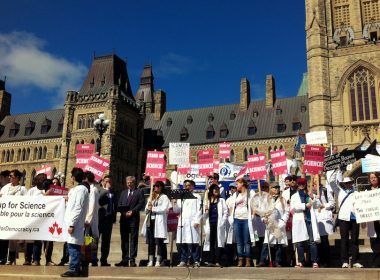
[243,241]
[187,250]
[312,245]
[277,250]
[75,254]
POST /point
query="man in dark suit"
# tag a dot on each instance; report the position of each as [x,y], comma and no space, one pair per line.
[107,217]
[130,204]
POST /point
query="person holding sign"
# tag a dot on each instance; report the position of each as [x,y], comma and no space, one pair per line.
[215,217]
[13,188]
[155,225]
[305,227]
[243,227]
[374,227]
[346,220]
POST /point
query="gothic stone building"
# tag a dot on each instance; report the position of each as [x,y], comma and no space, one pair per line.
[343,58]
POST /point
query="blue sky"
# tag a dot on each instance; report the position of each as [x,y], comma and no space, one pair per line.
[199,49]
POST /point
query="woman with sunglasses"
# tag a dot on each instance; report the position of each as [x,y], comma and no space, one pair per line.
[13,188]
[155,224]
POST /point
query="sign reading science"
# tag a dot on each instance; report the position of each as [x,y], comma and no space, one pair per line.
[32,218]
[314,159]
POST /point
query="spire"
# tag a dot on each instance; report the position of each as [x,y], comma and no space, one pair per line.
[146,89]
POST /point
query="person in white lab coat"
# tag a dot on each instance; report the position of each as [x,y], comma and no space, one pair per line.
[230,244]
[188,230]
[305,227]
[215,217]
[155,225]
[92,217]
[75,217]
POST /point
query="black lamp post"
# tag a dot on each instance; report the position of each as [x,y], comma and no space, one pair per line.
[100,124]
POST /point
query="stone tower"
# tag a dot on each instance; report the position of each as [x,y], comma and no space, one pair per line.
[343,59]
[145,93]
[5,101]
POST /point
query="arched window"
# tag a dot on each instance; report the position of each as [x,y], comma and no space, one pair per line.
[44,153]
[245,154]
[281,147]
[232,115]
[169,122]
[3,156]
[275,148]
[210,117]
[35,154]
[184,134]
[8,156]
[250,151]
[23,155]
[23,177]
[362,95]
[210,133]
[40,153]
[19,155]
[55,151]
[232,156]
[269,150]
[256,151]
[223,131]
[189,119]
[28,154]
[252,129]
[12,155]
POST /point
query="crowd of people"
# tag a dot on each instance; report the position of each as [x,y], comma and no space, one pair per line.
[277,226]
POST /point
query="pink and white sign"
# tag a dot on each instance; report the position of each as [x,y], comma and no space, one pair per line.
[313,159]
[155,164]
[216,165]
[83,154]
[45,169]
[98,166]
[206,162]
[224,150]
[279,165]
[256,167]
[57,190]
[184,169]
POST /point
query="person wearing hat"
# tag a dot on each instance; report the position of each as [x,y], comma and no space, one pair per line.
[347,221]
[304,224]
[275,230]
[155,224]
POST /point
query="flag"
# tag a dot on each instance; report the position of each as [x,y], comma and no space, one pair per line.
[301,140]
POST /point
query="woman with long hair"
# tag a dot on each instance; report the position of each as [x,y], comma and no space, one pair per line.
[215,217]
[155,224]
[242,223]
[374,227]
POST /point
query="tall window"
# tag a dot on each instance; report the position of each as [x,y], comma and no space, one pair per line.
[341,12]
[370,10]
[362,93]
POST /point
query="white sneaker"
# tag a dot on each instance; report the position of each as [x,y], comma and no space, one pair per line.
[345,265]
[197,264]
[357,265]
[158,264]
[150,264]
[182,264]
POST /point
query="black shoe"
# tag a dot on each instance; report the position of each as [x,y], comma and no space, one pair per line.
[105,264]
[61,264]
[277,265]
[132,264]
[261,265]
[94,264]
[70,273]
[122,263]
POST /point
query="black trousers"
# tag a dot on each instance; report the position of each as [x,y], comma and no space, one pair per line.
[3,250]
[153,242]
[105,233]
[129,238]
[215,251]
[324,250]
[345,228]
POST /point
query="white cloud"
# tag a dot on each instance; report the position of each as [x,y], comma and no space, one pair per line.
[27,65]
[172,64]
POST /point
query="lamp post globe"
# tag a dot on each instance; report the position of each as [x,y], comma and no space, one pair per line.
[100,125]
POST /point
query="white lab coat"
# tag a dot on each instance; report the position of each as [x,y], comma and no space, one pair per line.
[161,223]
[348,205]
[282,218]
[259,205]
[230,220]
[191,214]
[92,216]
[299,230]
[221,228]
[75,214]
[230,238]
[324,216]
[18,190]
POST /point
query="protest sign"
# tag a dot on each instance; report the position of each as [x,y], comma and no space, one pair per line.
[316,137]
[57,190]
[179,153]
[314,159]
[98,166]
[229,170]
[32,218]
[367,207]
[172,220]
[45,169]
[83,154]
[224,150]
[155,164]
[339,160]
[279,165]
[184,169]
[370,163]
[206,162]
[256,167]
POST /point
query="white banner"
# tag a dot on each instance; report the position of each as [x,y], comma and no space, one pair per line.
[367,207]
[179,153]
[316,137]
[32,218]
